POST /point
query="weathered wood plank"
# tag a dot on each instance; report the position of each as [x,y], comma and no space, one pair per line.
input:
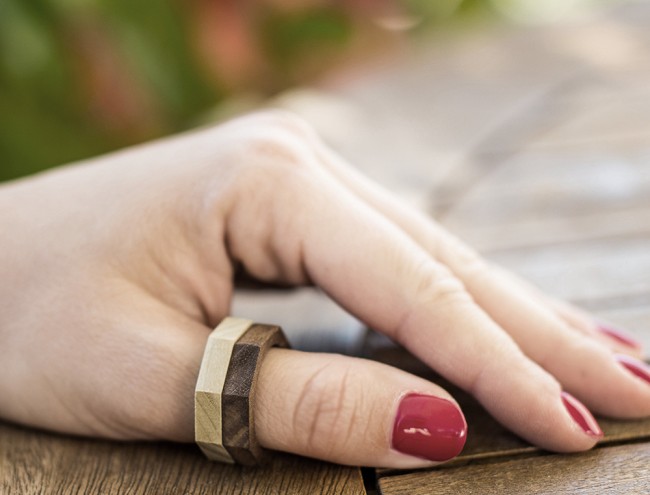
[614,470]
[34,462]
[595,269]
[533,232]
[557,196]
[622,116]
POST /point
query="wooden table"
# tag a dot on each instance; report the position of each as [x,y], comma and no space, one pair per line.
[534,146]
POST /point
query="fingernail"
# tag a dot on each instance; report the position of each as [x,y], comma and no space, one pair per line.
[581,415]
[634,366]
[620,336]
[429,427]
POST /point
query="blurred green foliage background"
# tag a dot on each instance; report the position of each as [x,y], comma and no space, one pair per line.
[79,78]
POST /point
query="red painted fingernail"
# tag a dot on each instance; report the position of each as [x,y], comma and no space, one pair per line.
[429,427]
[634,366]
[620,336]
[581,415]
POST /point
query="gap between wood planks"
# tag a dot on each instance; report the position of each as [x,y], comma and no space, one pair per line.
[508,456]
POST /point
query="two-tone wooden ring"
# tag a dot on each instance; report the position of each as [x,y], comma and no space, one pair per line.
[225,390]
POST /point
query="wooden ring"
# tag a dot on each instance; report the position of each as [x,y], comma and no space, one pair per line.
[224,426]
[237,401]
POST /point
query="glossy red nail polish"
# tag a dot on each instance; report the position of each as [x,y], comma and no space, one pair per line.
[581,415]
[429,427]
[619,336]
[634,366]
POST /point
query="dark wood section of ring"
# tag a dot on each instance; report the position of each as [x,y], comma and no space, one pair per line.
[238,428]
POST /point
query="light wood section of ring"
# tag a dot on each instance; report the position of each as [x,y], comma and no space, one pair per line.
[209,387]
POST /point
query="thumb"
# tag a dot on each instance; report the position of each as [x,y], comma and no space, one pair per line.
[354,411]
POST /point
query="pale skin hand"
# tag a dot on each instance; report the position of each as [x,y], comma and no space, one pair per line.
[114,272]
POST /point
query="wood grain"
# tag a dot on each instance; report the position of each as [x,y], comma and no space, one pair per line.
[209,387]
[238,399]
[593,269]
[614,470]
[552,196]
[33,462]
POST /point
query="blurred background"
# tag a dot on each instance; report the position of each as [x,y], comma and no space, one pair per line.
[80,78]
[523,126]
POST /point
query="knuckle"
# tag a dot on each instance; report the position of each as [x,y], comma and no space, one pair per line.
[465,260]
[267,146]
[275,165]
[438,286]
[327,410]
[266,149]
[472,266]
[288,121]
[435,288]
[260,165]
[279,138]
[275,153]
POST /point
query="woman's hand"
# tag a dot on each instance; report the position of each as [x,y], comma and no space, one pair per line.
[114,272]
